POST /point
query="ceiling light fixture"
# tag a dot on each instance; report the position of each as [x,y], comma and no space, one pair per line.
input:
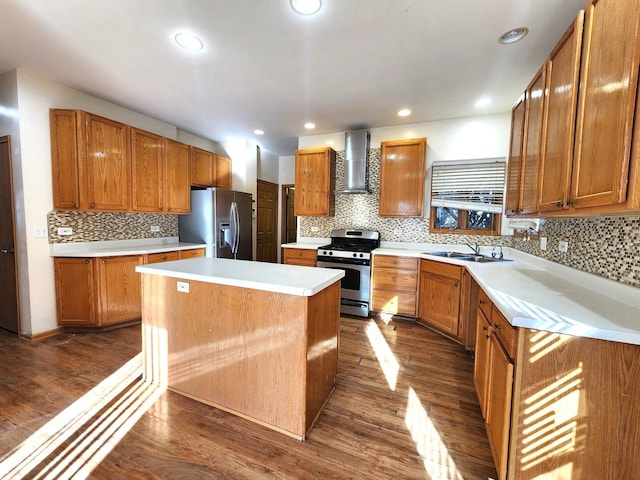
[257,131]
[513,35]
[309,125]
[189,41]
[405,112]
[306,7]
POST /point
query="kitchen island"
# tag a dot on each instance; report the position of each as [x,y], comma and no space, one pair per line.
[258,340]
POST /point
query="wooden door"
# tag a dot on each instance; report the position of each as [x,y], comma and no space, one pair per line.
[64,159]
[606,103]
[288,224]
[499,396]
[75,291]
[120,292]
[402,178]
[177,177]
[8,268]
[482,362]
[267,222]
[315,179]
[223,172]
[147,171]
[533,139]
[439,302]
[202,168]
[563,68]
[106,165]
[514,168]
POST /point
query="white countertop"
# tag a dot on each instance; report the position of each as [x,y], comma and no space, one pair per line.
[535,293]
[117,248]
[270,277]
[303,245]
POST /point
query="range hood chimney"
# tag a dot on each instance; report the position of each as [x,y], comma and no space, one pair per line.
[356,152]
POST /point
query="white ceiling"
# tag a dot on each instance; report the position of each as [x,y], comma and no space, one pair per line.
[353,65]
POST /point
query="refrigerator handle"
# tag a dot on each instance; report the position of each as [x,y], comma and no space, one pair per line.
[235,228]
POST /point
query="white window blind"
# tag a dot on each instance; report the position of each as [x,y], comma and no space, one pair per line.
[468,186]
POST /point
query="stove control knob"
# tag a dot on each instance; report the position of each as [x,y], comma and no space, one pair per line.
[330,253]
[361,255]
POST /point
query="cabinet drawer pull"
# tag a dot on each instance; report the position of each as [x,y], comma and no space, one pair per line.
[498,326]
[559,204]
[485,328]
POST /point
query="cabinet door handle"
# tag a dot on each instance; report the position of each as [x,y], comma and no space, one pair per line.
[498,326]
[485,328]
[488,337]
[93,205]
[559,204]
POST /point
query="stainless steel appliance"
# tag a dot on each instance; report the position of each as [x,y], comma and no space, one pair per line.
[220,218]
[350,250]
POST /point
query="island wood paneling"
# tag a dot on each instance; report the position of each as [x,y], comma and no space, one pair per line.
[244,350]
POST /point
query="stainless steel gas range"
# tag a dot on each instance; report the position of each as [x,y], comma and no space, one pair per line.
[350,250]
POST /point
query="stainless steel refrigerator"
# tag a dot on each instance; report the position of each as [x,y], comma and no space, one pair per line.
[220,218]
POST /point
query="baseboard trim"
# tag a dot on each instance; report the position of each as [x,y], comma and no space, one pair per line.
[42,335]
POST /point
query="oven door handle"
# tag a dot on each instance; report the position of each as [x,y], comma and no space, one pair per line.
[344,261]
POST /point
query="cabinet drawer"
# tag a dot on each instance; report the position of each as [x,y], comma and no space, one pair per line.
[505,332]
[442,269]
[399,303]
[395,262]
[484,303]
[295,255]
[162,257]
[193,253]
[395,280]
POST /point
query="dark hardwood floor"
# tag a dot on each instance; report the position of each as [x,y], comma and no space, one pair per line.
[73,406]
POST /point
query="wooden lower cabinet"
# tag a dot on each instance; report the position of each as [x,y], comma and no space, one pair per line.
[305,257]
[493,378]
[394,285]
[97,292]
[104,291]
[439,298]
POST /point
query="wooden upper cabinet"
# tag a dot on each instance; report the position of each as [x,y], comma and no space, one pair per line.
[402,178]
[105,164]
[223,172]
[563,68]
[147,171]
[534,98]
[202,168]
[64,159]
[514,168]
[177,177]
[315,182]
[606,103]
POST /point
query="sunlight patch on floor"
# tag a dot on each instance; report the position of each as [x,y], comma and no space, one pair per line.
[437,461]
[386,358]
[85,432]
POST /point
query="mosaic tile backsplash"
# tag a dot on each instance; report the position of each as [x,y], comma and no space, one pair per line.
[98,226]
[608,247]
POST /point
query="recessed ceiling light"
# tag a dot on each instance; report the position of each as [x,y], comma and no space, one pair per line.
[306,7]
[188,41]
[257,131]
[483,102]
[405,112]
[309,125]
[513,35]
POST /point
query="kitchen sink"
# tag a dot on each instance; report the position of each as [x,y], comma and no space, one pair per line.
[468,257]
[448,254]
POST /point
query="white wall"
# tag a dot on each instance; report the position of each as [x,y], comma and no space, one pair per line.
[455,139]
[268,167]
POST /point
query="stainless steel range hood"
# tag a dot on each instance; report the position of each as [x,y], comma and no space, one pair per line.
[356,152]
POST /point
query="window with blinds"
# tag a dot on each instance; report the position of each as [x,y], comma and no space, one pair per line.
[466,197]
[468,186]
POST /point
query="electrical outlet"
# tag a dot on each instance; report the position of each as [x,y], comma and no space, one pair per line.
[40,232]
[397,232]
[65,231]
[314,229]
[183,287]
[563,246]
[543,243]
[155,228]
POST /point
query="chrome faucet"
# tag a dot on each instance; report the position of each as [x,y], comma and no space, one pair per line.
[475,248]
[496,252]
